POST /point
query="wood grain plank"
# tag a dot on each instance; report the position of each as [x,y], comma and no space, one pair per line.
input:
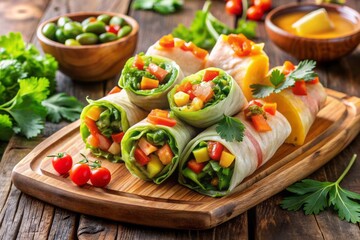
[64,225]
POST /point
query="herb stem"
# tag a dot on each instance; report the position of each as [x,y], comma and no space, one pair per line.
[245,7]
[347,169]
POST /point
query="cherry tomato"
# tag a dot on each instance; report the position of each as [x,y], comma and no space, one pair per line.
[265,5]
[100,177]
[254,13]
[62,162]
[233,7]
[80,173]
[112,28]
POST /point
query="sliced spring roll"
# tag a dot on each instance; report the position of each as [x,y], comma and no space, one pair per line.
[203,98]
[190,58]
[148,79]
[104,122]
[299,103]
[152,147]
[244,60]
[214,167]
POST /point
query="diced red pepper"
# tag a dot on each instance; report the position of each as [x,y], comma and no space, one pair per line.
[157,71]
[115,89]
[210,75]
[167,41]
[199,52]
[195,166]
[117,137]
[160,117]
[260,123]
[240,44]
[186,88]
[141,157]
[138,62]
[255,102]
[93,141]
[91,125]
[112,28]
[270,108]
[104,142]
[314,81]
[215,149]
[299,88]
[288,67]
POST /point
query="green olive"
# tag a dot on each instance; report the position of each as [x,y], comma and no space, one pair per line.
[119,21]
[125,30]
[107,37]
[88,20]
[49,30]
[72,29]
[87,38]
[72,42]
[60,35]
[62,21]
[95,27]
[104,18]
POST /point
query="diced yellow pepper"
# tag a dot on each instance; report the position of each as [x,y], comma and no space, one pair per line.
[201,155]
[196,104]
[226,159]
[154,166]
[181,99]
[94,113]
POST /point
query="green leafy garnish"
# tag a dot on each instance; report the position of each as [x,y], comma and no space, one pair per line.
[230,129]
[63,106]
[160,6]
[205,29]
[304,71]
[314,196]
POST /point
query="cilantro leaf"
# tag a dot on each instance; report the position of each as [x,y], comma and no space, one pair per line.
[230,129]
[62,106]
[304,71]
[315,196]
[5,127]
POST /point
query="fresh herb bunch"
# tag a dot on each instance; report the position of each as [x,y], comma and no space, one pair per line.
[230,129]
[160,6]
[205,29]
[304,71]
[314,196]
[27,79]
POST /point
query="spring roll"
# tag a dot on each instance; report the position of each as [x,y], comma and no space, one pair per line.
[148,79]
[104,122]
[190,58]
[244,60]
[214,167]
[300,108]
[152,147]
[203,98]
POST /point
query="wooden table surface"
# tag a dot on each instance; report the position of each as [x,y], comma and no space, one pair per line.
[24,217]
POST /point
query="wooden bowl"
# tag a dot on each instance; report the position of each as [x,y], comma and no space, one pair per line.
[89,63]
[314,48]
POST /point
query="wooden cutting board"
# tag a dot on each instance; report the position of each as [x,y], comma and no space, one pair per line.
[171,205]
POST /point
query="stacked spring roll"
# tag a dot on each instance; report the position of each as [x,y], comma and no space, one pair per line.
[104,122]
[214,167]
[190,58]
[152,147]
[244,60]
[202,99]
[299,103]
[148,79]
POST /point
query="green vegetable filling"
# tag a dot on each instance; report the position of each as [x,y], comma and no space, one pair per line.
[109,122]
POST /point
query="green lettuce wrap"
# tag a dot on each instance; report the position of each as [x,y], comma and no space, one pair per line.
[201,99]
[212,166]
[152,151]
[104,122]
[148,79]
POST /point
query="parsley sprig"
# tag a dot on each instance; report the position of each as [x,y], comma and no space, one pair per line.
[230,129]
[304,71]
[314,196]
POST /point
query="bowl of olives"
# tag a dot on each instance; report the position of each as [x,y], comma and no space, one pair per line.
[89,46]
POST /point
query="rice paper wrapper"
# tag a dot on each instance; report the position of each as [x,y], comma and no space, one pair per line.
[254,151]
[154,98]
[232,104]
[178,136]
